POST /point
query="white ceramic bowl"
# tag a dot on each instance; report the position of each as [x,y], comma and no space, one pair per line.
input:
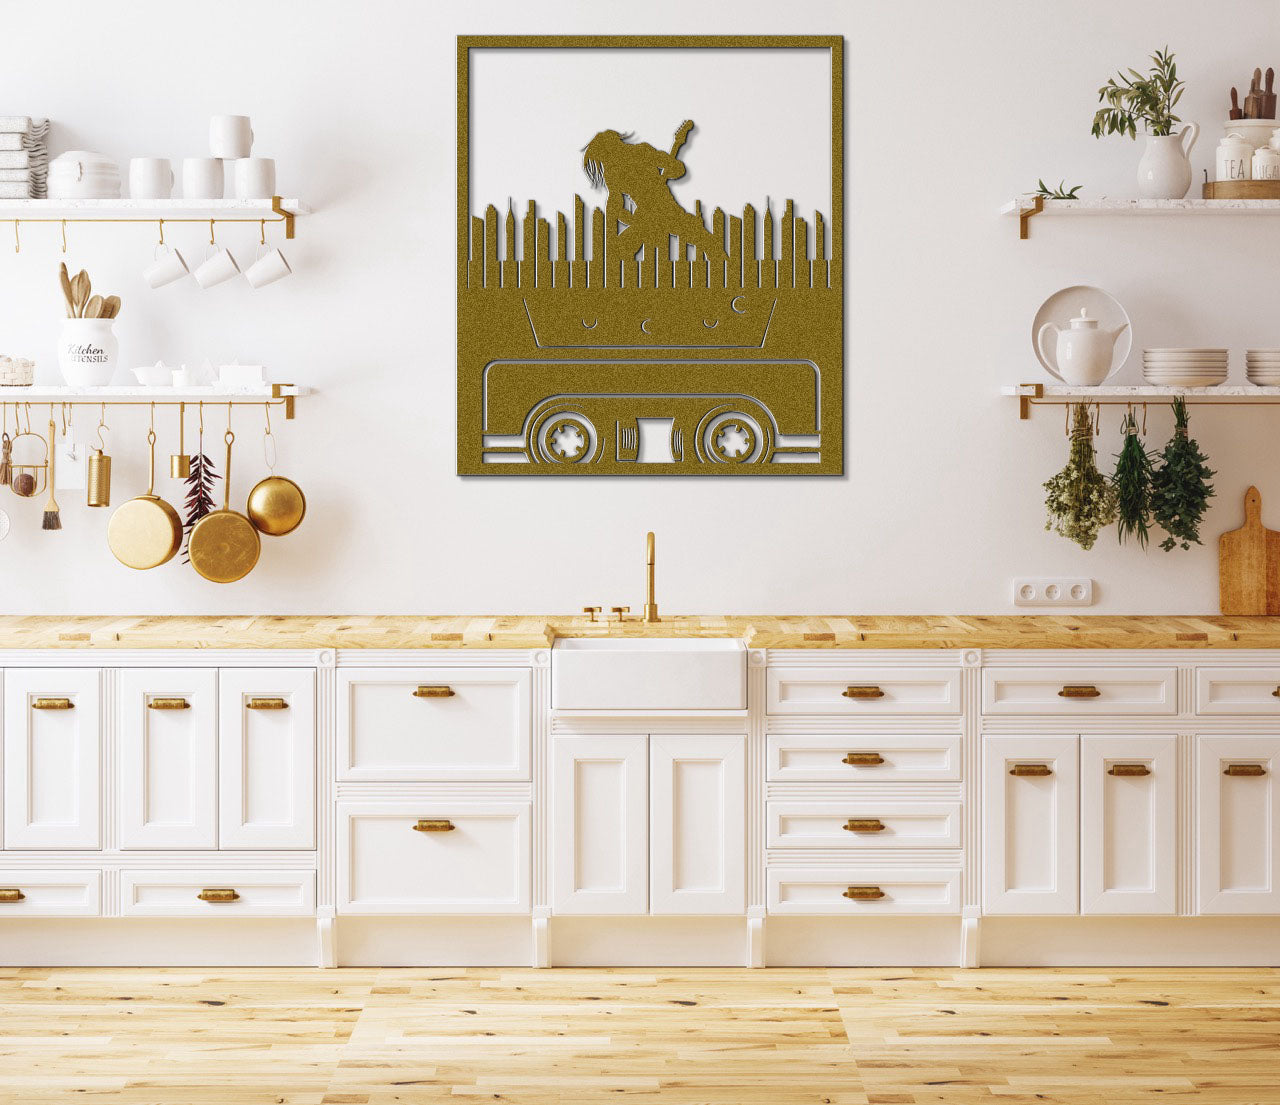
[154,376]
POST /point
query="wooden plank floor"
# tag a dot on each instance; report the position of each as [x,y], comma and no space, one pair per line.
[687,1037]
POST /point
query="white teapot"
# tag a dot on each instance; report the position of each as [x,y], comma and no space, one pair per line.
[1082,355]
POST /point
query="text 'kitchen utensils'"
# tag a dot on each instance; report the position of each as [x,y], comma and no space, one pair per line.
[145,532]
[87,346]
[276,504]
[1081,335]
[224,545]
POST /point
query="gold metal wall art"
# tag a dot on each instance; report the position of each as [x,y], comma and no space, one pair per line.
[627,331]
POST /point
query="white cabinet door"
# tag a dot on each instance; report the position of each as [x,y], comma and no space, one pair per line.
[1031,825]
[267,724]
[600,825]
[1128,824]
[168,747]
[1238,828]
[697,824]
[52,758]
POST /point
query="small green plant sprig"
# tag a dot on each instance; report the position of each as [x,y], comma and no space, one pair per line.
[1132,481]
[1180,487]
[1080,499]
[1136,98]
[1062,192]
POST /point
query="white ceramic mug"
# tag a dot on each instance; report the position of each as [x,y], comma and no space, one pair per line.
[150,178]
[255,178]
[166,268]
[230,136]
[216,268]
[267,269]
[201,178]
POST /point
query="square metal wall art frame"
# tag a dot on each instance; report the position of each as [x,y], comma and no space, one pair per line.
[622,332]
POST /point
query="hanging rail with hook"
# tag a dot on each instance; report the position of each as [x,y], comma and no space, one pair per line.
[277,211]
[275,395]
[1042,395]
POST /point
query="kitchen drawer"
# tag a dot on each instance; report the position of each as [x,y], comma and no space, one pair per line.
[863,758]
[863,692]
[50,893]
[890,890]
[860,823]
[1238,691]
[479,865]
[434,724]
[1079,692]
[225,893]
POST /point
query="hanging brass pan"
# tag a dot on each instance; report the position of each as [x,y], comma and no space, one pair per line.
[224,546]
[145,532]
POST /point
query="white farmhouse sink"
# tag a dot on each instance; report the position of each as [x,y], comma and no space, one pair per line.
[648,673]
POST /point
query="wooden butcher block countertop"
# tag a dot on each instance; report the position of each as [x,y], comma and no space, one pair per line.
[532,631]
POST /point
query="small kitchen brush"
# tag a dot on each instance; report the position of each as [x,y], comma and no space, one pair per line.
[52,517]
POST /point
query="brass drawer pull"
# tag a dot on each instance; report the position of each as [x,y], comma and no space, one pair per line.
[864,825]
[863,759]
[266,704]
[870,691]
[433,692]
[434,825]
[11,894]
[218,894]
[864,893]
[1276,693]
[53,704]
[1128,770]
[1247,770]
[1079,690]
[168,704]
[1031,771]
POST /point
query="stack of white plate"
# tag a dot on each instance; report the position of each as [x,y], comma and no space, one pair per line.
[1185,368]
[79,174]
[1262,367]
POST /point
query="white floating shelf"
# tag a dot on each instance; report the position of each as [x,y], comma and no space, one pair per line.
[277,209]
[136,395]
[1028,207]
[1032,395]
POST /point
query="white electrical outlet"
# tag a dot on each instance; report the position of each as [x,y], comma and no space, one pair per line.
[1052,591]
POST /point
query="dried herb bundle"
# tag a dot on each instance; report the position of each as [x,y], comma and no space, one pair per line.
[1181,489]
[1132,481]
[199,501]
[1080,500]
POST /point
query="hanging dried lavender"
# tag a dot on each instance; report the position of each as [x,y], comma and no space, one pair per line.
[1132,481]
[1080,501]
[1181,489]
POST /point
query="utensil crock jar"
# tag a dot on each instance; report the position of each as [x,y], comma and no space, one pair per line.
[87,351]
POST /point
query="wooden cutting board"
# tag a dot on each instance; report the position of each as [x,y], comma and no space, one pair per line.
[1249,564]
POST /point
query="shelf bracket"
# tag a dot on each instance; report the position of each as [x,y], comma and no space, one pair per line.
[287,216]
[1025,215]
[1026,393]
[276,393]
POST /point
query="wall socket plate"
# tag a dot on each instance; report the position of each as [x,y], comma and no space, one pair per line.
[1052,591]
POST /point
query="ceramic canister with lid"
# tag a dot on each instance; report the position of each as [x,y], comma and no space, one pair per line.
[1233,159]
[1266,164]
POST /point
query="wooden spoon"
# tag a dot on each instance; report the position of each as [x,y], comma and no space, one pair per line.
[80,289]
[93,309]
[110,307]
[65,281]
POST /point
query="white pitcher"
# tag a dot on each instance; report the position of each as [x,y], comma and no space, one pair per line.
[1164,173]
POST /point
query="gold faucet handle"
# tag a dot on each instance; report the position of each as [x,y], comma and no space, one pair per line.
[620,610]
[592,610]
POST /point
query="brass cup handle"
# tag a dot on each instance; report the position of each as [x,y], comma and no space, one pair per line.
[11,894]
[434,825]
[1245,770]
[218,894]
[433,692]
[862,759]
[168,704]
[1128,770]
[863,893]
[1079,690]
[267,704]
[1031,771]
[53,704]
[864,825]
[866,691]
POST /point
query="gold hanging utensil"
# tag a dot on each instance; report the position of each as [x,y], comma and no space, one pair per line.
[52,515]
[146,531]
[98,488]
[6,448]
[180,462]
[224,545]
[276,505]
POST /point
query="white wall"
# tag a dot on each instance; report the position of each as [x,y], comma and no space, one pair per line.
[942,503]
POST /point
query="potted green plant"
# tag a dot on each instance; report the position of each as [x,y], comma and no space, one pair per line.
[1165,169]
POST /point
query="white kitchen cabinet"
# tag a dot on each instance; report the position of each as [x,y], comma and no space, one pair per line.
[52,758]
[267,752]
[863,691]
[863,889]
[860,823]
[600,824]
[1031,825]
[434,724]
[697,846]
[1128,824]
[1080,691]
[50,893]
[168,757]
[863,758]
[1238,824]
[217,893]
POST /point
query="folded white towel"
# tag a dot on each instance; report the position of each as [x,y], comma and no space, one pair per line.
[15,124]
[11,175]
[14,159]
[11,190]
[10,141]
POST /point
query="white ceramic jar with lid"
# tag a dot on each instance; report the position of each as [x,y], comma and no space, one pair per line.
[1266,164]
[1234,158]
